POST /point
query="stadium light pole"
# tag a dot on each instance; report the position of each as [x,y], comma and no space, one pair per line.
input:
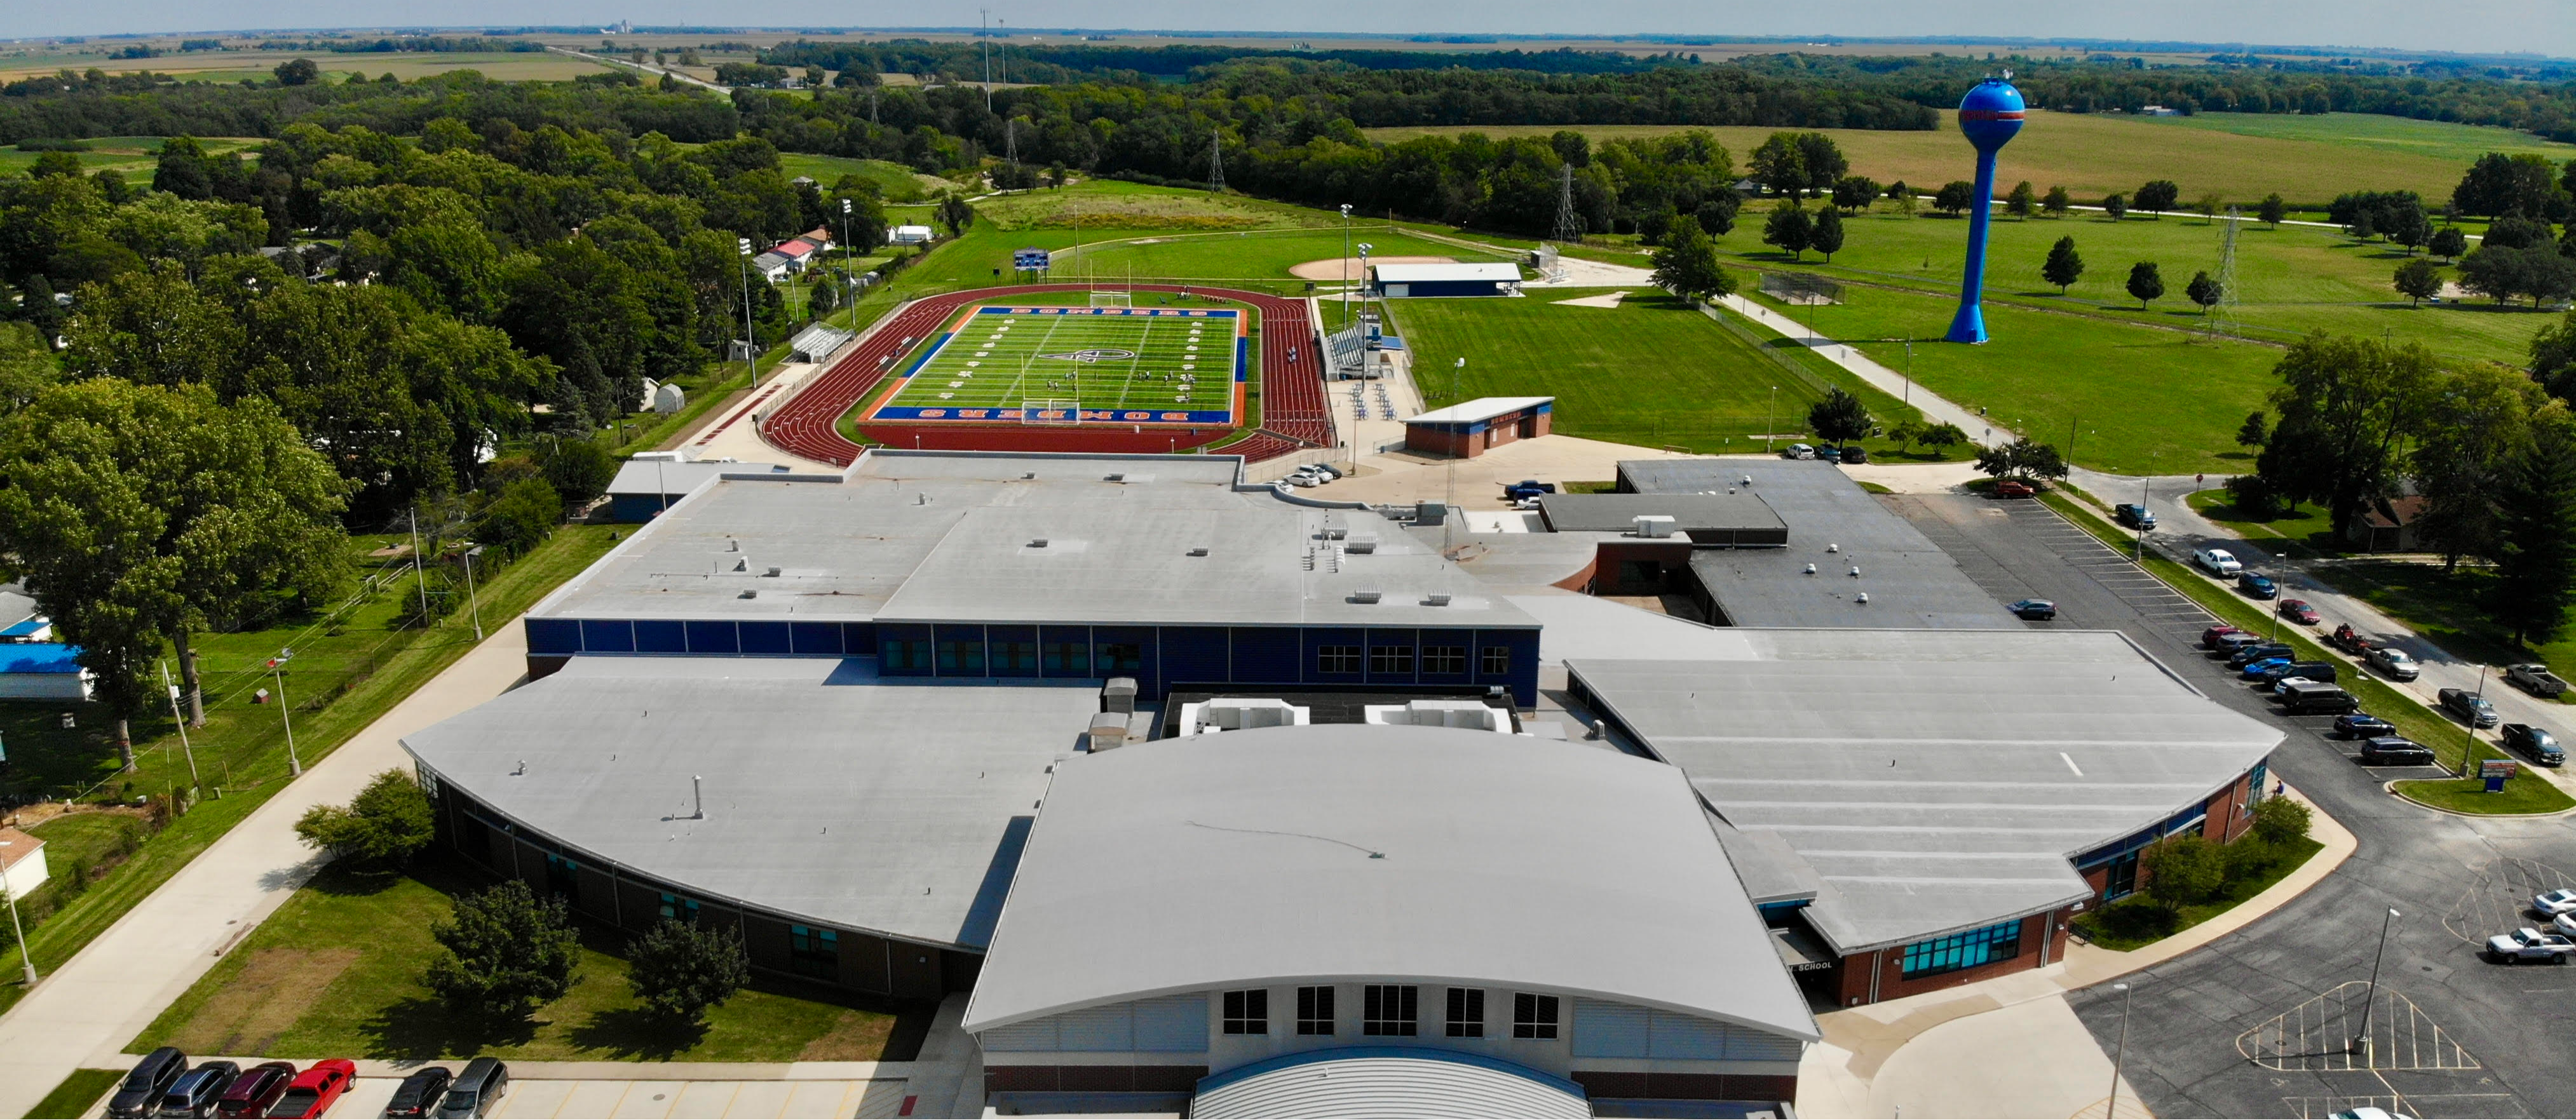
[1366,351]
[2361,1043]
[2119,1057]
[474,605]
[277,668]
[1770,409]
[1346,264]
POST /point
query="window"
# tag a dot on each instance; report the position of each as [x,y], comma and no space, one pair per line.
[1121,657]
[1998,942]
[1449,660]
[680,909]
[1337,659]
[1497,661]
[1068,659]
[814,952]
[1466,1012]
[1015,657]
[905,656]
[1390,659]
[1389,1009]
[1315,1010]
[563,877]
[1533,1016]
[961,657]
[1248,1012]
[2121,880]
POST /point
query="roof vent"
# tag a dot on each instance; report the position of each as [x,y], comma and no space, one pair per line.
[1198,552]
[1435,600]
[1028,474]
[742,565]
[1855,572]
[1037,542]
[771,573]
[732,545]
[1366,595]
[1115,478]
[1811,569]
[1864,598]
[1748,480]
[1833,548]
[750,593]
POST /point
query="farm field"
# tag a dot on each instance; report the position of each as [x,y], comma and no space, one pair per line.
[2093,154]
[1113,204]
[2290,280]
[1173,364]
[130,156]
[1250,255]
[2137,398]
[228,66]
[1650,372]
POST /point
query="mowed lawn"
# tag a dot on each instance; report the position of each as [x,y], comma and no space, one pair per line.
[1651,372]
[336,973]
[2290,280]
[2135,398]
[2094,154]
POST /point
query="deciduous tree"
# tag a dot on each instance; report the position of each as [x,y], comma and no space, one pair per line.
[1827,237]
[2347,408]
[2158,196]
[2475,422]
[2064,265]
[680,969]
[1840,417]
[2020,202]
[2057,202]
[387,823]
[2272,210]
[2116,207]
[2204,291]
[505,953]
[2145,284]
[1956,196]
[2418,279]
[2448,243]
[1788,228]
[1686,264]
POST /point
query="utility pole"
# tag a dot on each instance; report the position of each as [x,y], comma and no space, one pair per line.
[1770,408]
[476,605]
[277,667]
[26,957]
[182,721]
[1346,264]
[418,577]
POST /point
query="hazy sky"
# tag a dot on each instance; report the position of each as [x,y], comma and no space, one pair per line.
[2544,26]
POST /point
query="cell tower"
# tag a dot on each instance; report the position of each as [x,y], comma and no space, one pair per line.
[2223,316]
[1216,163]
[1569,225]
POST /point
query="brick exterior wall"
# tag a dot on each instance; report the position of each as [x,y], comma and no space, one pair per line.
[1850,981]
[1523,424]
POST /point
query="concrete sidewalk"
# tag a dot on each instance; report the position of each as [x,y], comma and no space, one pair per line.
[85,1013]
[1934,407]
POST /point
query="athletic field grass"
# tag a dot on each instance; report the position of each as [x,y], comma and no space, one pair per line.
[2289,280]
[1151,364]
[2094,154]
[2134,398]
[1651,372]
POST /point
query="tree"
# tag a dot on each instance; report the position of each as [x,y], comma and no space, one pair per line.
[2057,202]
[2254,432]
[138,514]
[2536,527]
[2208,205]
[2513,231]
[1686,264]
[1941,437]
[2406,225]
[505,953]
[2345,409]
[2020,202]
[2279,821]
[2022,459]
[520,517]
[2498,184]
[2503,273]
[2272,210]
[2475,422]
[2183,870]
[1854,192]
[579,470]
[1779,164]
[386,824]
[2064,265]
[2116,206]
[955,213]
[297,72]
[1955,197]
[2364,225]
[680,969]
[2418,279]
[1827,236]
[1822,160]
[2203,290]
[1839,417]
[2553,357]
[2145,284]
[1789,228]
[2158,196]
[2447,242]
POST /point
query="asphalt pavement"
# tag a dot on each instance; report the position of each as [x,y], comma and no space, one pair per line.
[2257,1024]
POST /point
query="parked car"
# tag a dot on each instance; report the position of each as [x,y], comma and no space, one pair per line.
[1798,451]
[2257,585]
[2528,944]
[256,1090]
[476,1089]
[2554,903]
[1298,479]
[2257,651]
[2298,611]
[2134,516]
[2564,923]
[2395,662]
[196,1091]
[314,1091]
[2254,670]
[2534,743]
[2469,706]
[2217,561]
[2535,679]
[2316,698]
[2299,670]
[2230,644]
[1830,454]
[1327,468]
[2015,488]
[2209,638]
[2393,750]
[144,1086]
[2362,725]
[2037,610]
[1852,455]
[419,1093]
[1527,488]
[2361,1112]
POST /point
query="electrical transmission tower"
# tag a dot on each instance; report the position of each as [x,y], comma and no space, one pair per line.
[1011,140]
[2223,316]
[1216,163]
[1569,225]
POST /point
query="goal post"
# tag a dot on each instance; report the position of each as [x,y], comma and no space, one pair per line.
[1113,299]
[1051,412]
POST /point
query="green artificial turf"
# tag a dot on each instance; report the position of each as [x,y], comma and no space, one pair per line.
[336,972]
[994,358]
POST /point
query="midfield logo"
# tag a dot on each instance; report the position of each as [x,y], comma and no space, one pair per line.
[1098,354]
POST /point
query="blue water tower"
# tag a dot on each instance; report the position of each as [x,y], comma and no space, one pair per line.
[1990,115]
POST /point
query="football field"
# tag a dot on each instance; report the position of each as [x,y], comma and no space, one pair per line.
[1160,365]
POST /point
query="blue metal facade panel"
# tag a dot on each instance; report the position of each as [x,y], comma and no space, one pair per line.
[1196,654]
[657,635]
[613,636]
[765,638]
[1266,655]
[554,636]
[816,639]
[713,637]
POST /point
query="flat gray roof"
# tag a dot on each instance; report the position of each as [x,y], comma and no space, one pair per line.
[1836,526]
[948,537]
[1932,780]
[647,477]
[1481,408]
[1617,513]
[1343,851]
[893,808]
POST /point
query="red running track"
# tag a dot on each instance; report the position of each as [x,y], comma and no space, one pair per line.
[1293,401]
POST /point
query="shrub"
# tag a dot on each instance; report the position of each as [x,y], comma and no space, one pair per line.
[387,823]
[521,516]
[2280,821]
[506,953]
[2184,870]
[579,470]
[2255,498]
[679,969]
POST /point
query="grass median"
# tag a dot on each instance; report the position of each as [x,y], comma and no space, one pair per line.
[2525,793]
[76,1094]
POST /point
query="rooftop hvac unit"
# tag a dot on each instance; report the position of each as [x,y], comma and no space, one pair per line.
[771,573]
[1115,478]
[1198,552]
[1362,545]
[1654,525]
[1119,696]
[1435,600]
[1333,534]
[1108,732]
[1037,542]
[1366,595]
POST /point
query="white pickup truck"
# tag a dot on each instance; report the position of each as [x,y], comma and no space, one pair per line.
[2528,944]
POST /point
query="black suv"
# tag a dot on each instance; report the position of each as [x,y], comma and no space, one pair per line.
[2259,651]
[2392,750]
[2134,516]
[2363,725]
[141,1093]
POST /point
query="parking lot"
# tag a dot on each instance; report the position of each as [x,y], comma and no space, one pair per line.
[2448,877]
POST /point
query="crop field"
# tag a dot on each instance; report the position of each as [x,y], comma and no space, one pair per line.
[130,156]
[1249,255]
[1160,365]
[1112,204]
[2093,154]
[2290,280]
[1651,371]
[228,66]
